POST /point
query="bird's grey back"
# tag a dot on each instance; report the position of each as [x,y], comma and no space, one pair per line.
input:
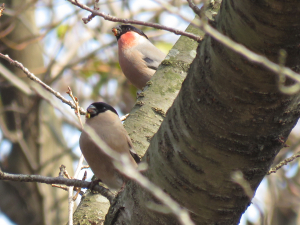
[151,55]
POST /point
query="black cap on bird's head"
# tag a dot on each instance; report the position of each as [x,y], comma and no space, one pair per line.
[122,29]
[98,107]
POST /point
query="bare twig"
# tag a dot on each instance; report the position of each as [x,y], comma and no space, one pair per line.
[115,19]
[283,163]
[79,189]
[36,79]
[90,17]
[16,81]
[44,94]
[195,8]
[76,102]
[56,180]
[67,189]
[78,169]
[67,174]
[60,186]
[71,205]
[123,118]
[62,169]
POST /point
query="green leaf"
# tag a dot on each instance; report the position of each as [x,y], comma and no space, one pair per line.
[62,30]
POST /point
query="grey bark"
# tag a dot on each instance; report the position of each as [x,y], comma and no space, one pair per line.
[92,209]
[229,116]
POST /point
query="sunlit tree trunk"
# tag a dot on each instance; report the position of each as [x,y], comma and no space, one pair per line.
[229,116]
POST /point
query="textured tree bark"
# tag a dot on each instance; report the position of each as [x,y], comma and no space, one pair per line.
[40,133]
[229,116]
[91,210]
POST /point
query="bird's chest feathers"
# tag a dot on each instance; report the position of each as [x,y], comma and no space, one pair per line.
[128,40]
[109,129]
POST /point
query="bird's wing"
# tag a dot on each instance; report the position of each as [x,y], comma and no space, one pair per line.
[151,55]
[152,64]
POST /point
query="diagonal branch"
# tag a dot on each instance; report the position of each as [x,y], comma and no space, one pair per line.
[70,189]
[36,79]
[195,8]
[283,163]
[148,24]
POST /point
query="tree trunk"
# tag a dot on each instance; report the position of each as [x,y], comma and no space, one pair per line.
[229,116]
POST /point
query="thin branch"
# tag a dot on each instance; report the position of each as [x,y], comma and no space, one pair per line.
[90,17]
[67,174]
[123,118]
[77,109]
[79,165]
[78,169]
[16,81]
[80,60]
[283,163]
[44,94]
[36,79]
[79,189]
[62,169]
[57,180]
[71,205]
[195,8]
[85,167]
[60,187]
[115,19]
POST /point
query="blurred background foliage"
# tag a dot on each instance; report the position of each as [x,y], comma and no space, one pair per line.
[84,57]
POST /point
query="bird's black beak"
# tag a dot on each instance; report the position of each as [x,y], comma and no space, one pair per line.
[87,115]
[115,31]
[91,111]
